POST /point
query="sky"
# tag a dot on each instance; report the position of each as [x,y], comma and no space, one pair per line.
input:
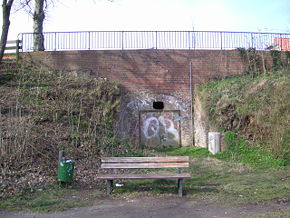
[199,15]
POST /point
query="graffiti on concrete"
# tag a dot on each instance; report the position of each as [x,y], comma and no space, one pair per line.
[129,117]
[160,129]
[168,128]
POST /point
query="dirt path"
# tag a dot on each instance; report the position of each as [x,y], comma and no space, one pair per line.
[161,207]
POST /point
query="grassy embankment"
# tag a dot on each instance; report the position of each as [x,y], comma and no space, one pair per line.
[255,168]
[254,113]
[44,112]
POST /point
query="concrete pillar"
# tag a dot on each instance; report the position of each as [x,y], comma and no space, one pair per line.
[214,142]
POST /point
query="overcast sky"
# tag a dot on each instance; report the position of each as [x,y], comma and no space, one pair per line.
[220,15]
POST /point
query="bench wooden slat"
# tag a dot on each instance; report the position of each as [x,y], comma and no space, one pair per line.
[143,176]
[143,159]
[143,165]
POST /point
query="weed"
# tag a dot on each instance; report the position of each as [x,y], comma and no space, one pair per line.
[254,60]
[6,77]
[240,150]
[277,63]
[217,181]
[186,151]
[42,200]
[150,187]
[255,108]
[42,112]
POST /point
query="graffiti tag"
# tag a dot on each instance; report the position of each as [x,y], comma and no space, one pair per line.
[161,129]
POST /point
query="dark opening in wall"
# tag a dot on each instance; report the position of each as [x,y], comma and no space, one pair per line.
[158,105]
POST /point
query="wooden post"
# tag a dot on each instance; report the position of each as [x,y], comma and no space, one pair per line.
[109,186]
[180,183]
[60,156]
[17,50]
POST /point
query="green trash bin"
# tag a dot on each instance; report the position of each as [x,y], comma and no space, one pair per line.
[65,171]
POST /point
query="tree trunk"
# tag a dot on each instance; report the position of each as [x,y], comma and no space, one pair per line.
[6,8]
[38,18]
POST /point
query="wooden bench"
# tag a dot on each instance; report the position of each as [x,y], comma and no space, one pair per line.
[113,163]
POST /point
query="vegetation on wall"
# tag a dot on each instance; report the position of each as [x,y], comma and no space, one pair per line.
[280,60]
[277,63]
[258,109]
[255,63]
[239,149]
[44,112]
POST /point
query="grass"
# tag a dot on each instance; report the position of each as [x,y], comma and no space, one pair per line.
[80,114]
[185,151]
[50,198]
[150,187]
[219,182]
[244,174]
[225,182]
[240,150]
[6,77]
[257,108]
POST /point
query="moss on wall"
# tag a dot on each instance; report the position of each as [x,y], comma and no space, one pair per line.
[256,108]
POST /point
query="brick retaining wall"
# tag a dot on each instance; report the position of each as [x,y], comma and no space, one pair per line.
[147,76]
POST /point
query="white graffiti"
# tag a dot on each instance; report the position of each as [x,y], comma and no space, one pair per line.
[170,130]
[153,127]
[128,122]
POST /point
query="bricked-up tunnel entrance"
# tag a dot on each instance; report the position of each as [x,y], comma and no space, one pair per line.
[159,128]
[148,76]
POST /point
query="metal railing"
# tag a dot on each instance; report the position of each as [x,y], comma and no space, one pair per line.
[121,40]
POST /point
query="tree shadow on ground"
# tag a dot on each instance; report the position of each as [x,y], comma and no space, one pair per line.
[163,187]
[6,77]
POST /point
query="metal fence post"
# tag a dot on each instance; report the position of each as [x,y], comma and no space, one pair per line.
[122,39]
[221,40]
[89,40]
[194,41]
[22,42]
[156,39]
[189,40]
[55,41]
[252,39]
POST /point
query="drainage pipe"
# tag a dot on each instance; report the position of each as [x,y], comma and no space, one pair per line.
[191,102]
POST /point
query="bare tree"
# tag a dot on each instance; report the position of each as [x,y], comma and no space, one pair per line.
[38,14]
[38,18]
[6,9]
[37,10]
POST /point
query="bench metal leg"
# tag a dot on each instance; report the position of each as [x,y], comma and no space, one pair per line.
[180,184]
[109,186]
